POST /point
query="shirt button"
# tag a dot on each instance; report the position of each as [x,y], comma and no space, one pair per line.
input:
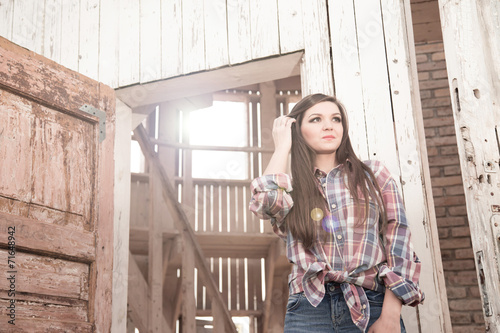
[334,206]
[324,184]
[364,306]
[339,236]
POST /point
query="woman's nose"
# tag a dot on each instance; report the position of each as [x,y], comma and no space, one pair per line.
[327,125]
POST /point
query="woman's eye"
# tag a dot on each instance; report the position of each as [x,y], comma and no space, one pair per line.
[337,119]
[314,120]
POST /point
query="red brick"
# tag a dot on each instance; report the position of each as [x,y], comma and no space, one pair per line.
[431,66]
[455,200]
[442,141]
[452,170]
[466,305]
[447,130]
[430,132]
[438,56]
[450,221]
[455,190]
[474,291]
[449,150]
[440,74]
[440,211]
[445,92]
[464,254]
[461,317]
[427,113]
[467,278]
[456,292]
[433,84]
[447,181]
[424,76]
[455,243]
[458,265]
[468,329]
[444,160]
[444,111]
[460,232]
[457,211]
[432,151]
[436,101]
[422,58]
[431,47]
[438,121]
[437,191]
[435,171]
[447,255]
[443,233]
[478,317]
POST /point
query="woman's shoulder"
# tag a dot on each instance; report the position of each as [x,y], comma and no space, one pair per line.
[379,169]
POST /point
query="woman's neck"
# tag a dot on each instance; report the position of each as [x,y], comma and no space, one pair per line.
[326,162]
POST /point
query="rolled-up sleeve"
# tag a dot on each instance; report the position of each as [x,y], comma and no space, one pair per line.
[271,197]
[402,270]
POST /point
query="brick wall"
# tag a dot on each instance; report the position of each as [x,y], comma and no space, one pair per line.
[454,235]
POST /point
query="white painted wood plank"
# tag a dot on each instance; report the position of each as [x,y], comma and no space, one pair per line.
[238,24]
[264,28]
[316,69]
[473,72]
[171,38]
[27,29]
[88,63]
[290,25]
[193,36]
[129,47]
[346,71]
[375,81]
[150,56]
[216,53]
[6,18]
[70,39]
[121,225]
[402,68]
[52,30]
[108,42]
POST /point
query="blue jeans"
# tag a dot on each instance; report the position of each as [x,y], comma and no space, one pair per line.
[331,315]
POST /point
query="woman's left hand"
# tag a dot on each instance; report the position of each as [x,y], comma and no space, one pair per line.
[386,325]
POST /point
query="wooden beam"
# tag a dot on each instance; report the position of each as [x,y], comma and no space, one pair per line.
[270,266]
[182,223]
[471,36]
[137,296]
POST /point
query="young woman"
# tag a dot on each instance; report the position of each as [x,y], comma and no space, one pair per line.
[344,224]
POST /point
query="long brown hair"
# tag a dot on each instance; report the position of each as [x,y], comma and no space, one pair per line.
[306,194]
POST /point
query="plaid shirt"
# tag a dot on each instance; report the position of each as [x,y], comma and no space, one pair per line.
[352,254]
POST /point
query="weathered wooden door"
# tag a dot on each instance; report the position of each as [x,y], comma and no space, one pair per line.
[56,197]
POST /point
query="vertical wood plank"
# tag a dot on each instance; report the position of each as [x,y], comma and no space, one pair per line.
[171,38]
[129,46]
[225,221]
[471,31]
[216,50]
[108,42]
[188,301]
[264,28]
[346,71]
[375,81]
[155,263]
[238,26]
[6,17]
[52,30]
[193,36]
[121,217]
[242,288]
[290,25]
[405,99]
[70,39]
[150,41]
[316,68]
[28,25]
[88,63]
[225,280]
[217,218]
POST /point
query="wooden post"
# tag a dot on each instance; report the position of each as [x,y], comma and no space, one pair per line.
[471,36]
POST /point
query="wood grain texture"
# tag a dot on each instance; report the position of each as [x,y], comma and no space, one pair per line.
[193,36]
[70,39]
[264,28]
[88,54]
[150,41]
[216,32]
[290,20]
[171,38]
[129,44]
[239,36]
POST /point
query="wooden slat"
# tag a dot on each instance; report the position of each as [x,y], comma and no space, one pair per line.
[109,25]
[171,38]
[242,289]
[129,36]
[224,208]
[70,39]
[238,26]
[150,41]
[264,28]
[290,25]
[215,33]
[234,285]
[30,17]
[46,238]
[88,52]
[193,36]
[6,17]
[137,295]
[401,68]
[374,77]
[34,325]
[217,218]
[52,30]
[270,266]
[183,224]
[155,264]
[316,69]
[188,305]
[346,71]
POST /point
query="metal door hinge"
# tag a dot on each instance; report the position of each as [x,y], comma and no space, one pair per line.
[102,119]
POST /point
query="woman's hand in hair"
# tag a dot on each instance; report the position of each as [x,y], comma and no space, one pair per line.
[282,133]
[282,137]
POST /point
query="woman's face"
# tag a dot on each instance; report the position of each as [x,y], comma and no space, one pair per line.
[322,128]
